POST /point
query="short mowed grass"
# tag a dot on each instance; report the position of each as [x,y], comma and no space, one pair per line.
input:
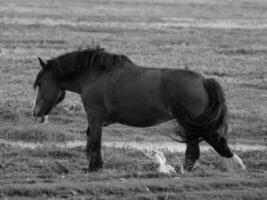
[127,173]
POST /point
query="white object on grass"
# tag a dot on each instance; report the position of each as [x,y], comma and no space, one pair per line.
[179,168]
[159,158]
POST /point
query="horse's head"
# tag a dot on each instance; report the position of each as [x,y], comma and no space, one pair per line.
[49,92]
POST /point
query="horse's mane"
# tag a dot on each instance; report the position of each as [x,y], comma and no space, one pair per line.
[92,59]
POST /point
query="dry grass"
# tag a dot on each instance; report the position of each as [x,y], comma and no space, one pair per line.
[127,174]
[222,39]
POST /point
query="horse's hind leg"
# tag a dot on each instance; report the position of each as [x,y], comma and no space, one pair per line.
[191,154]
[221,146]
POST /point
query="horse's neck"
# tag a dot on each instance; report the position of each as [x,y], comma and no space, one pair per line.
[73,85]
[76,84]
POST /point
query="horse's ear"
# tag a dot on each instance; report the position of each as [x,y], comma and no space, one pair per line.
[42,63]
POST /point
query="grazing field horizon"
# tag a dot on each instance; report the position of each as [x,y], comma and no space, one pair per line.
[225,40]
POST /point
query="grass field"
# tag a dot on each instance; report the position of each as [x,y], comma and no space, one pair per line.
[221,39]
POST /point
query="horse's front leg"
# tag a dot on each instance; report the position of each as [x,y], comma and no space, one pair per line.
[94,144]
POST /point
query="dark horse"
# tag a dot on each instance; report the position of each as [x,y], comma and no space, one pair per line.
[114,89]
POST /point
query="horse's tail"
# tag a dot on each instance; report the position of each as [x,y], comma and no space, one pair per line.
[212,120]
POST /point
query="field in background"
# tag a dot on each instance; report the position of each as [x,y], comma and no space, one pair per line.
[222,39]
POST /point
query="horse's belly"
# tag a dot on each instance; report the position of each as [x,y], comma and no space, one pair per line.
[141,117]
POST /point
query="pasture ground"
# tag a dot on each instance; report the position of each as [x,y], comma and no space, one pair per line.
[222,39]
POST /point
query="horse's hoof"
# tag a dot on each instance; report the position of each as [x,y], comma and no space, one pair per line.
[179,168]
[93,167]
[85,170]
[187,166]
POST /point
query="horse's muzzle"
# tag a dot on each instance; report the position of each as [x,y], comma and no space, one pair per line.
[38,116]
[41,119]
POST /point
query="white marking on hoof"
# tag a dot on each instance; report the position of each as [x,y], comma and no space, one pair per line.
[234,163]
[238,160]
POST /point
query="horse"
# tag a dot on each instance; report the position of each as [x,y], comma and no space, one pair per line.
[114,89]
